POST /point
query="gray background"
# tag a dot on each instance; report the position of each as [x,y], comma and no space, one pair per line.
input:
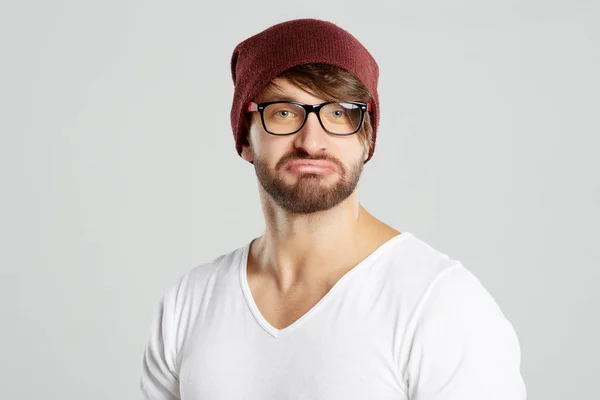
[119,171]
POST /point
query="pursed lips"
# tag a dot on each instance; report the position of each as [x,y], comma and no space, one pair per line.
[316,165]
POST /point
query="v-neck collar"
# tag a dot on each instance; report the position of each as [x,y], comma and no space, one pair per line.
[243,275]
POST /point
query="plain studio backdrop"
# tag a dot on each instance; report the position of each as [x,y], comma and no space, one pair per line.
[119,171]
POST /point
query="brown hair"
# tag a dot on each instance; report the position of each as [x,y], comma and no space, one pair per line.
[330,83]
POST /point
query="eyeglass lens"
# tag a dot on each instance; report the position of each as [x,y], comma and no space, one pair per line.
[337,118]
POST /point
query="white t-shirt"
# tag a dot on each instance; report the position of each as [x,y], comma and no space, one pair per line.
[408,322]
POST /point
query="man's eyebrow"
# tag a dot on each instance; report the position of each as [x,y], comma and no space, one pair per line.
[274,97]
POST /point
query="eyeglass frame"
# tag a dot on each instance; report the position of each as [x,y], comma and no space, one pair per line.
[309,108]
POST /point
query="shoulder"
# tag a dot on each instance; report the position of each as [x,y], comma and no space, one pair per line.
[180,305]
[189,287]
[412,266]
[426,282]
[454,332]
[460,343]
[172,321]
[432,276]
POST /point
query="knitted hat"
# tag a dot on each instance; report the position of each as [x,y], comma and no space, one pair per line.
[258,60]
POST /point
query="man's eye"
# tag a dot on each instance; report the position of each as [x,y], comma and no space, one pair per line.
[284,114]
[337,113]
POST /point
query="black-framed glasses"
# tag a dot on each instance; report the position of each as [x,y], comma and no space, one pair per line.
[288,117]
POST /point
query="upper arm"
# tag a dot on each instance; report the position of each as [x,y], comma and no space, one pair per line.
[463,348]
[159,379]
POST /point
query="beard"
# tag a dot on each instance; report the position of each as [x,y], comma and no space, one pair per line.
[309,194]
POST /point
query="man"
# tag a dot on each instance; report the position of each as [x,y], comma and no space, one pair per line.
[330,302]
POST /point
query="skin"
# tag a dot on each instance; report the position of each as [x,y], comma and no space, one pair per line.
[316,229]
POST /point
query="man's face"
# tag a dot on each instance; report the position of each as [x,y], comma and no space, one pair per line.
[296,187]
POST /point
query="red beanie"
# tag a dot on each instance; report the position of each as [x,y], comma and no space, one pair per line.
[258,60]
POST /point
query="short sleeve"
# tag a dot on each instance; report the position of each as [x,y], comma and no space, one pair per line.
[159,379]
[463,347]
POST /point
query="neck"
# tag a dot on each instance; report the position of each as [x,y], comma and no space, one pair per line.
[306,247]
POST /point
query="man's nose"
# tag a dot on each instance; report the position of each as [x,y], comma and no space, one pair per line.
[312,137]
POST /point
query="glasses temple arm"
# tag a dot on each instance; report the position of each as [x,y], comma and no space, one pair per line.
[251,106]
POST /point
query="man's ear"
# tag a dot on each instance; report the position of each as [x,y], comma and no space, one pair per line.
[247,150]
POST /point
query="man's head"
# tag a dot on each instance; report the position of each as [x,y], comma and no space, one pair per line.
[297,189]
[310,62]
[261,58]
